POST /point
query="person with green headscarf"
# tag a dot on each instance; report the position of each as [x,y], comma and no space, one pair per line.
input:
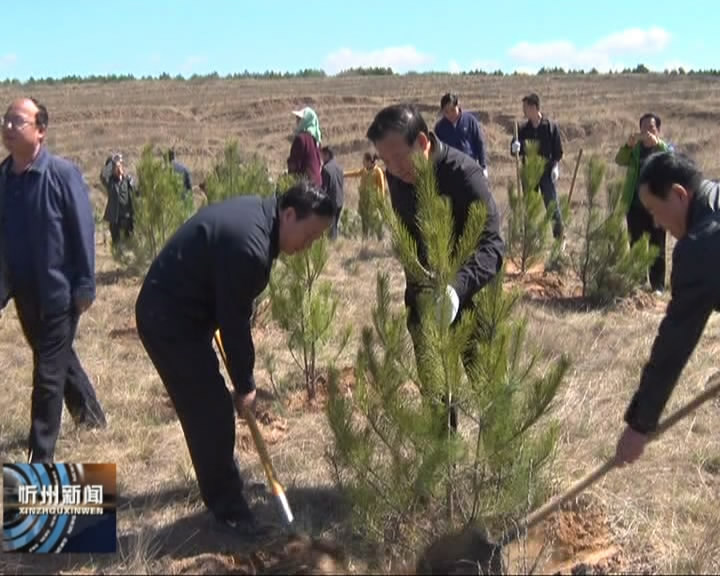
[305,158]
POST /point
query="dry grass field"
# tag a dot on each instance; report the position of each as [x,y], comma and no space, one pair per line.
[660,515]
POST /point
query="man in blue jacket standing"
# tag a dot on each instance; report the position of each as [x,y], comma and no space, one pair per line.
[461,130]
[47,265]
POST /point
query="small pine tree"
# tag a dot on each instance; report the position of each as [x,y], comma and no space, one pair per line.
[395,452]
[234,175]
[559,260]
[607,267]
[350,225]
[529,221]
[305,306]
[369,199]
[161,207]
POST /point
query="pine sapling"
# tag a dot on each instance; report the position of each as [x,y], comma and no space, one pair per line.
[395,451]
[234,175]
[529,221]
[305,307]
[369,199]
[607,266]
[160,207]
[559,260]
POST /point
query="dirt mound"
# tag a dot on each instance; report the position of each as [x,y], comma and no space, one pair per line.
[537,284]
[289,555]
[298,400]
[575,540]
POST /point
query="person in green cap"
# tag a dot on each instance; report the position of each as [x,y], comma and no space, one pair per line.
[305,158]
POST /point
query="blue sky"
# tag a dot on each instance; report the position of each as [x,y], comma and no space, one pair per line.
[56,38]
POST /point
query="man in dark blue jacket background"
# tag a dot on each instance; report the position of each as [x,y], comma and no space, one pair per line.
[47,265]
[461,130]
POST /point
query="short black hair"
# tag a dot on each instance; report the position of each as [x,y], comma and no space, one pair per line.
[663,169]
[650,115]
[403,118]
[329,151]
[532,99]
[448,98]
[370,157]
[306,198]
[42,118]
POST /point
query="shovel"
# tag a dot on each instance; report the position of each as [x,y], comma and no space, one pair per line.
[273,482]
[472,550]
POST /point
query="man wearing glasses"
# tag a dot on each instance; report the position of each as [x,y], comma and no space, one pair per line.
[47,265]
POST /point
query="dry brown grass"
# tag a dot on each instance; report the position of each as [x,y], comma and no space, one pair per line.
[662,512]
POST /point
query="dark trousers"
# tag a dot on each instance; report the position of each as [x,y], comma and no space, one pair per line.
[549,194]
[336,221]
[413,325]
[188,366]
[57,375]
[639,222]
[121,229]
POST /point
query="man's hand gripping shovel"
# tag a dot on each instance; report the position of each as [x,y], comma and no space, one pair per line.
[275,485]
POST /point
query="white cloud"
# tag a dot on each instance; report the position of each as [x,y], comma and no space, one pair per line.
[399,58]
[454,67]
[601,55]
[634,40]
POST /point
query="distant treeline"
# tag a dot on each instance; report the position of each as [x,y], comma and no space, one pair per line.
[317,73]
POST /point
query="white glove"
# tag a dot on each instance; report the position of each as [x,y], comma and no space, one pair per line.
[515,147]
[555,174]
[485,173]
[448,303]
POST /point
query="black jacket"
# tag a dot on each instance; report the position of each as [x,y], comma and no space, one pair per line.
[120,199]
[695,294]
[461,179]
[548,135]
[334,181]
[208,274]
[55,247]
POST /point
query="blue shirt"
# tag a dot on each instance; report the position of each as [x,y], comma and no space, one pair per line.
[466,136]
[47,245]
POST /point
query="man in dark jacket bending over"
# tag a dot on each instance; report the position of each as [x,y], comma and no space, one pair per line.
[397,133]
[206,278]
[674,192]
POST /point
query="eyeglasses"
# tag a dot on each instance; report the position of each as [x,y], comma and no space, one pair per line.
[15,122]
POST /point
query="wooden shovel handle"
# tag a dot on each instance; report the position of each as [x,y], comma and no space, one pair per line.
[254,430]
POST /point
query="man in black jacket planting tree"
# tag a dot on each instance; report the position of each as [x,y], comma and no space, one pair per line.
[398,132]
[205,278]
[682,202]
